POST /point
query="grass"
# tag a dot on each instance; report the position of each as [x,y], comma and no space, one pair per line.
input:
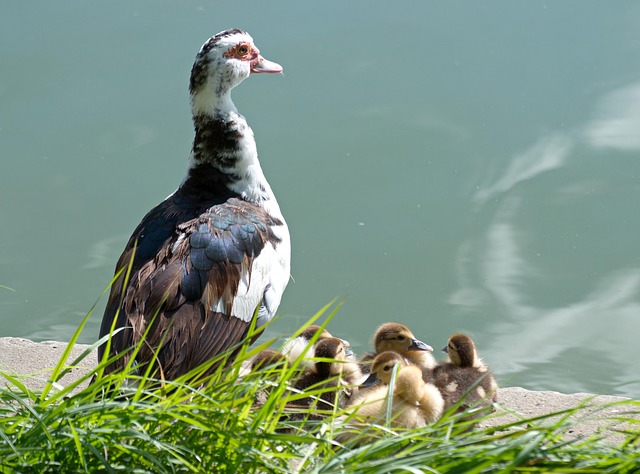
[214,426]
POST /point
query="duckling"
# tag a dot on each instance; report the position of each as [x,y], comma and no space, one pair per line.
[269,362]
[268,358]
[382,368]
[465,372]
[294,347]
[298,345]
[324,375]
[398,338]
[424,397]
[415,403]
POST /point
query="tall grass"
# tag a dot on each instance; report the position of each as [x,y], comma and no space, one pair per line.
[214,426]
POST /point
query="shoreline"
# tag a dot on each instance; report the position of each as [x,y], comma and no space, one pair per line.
[34,361]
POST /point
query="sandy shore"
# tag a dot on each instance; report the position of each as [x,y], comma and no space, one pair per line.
[35,359]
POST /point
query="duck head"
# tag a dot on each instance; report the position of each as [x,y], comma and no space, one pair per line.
[223,62]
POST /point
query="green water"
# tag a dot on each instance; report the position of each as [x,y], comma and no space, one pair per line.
[458,166]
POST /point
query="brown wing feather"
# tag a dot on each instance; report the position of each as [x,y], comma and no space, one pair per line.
[186,290]
[183,347]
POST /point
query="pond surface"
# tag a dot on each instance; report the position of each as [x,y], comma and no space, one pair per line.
[458,166]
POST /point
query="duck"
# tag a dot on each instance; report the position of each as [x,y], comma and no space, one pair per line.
[397,337]
[464,376]
[414,405]
[215,254]
[325,374]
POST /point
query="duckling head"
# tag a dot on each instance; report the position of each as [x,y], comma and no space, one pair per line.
[382,368]
[321,332]
[295,347]
[398,338]
[462,351]
[312,330]
[334,349]
[268,358]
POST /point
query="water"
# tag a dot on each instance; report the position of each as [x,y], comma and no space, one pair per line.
[459,167]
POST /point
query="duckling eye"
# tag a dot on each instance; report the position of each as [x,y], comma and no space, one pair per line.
[400,338]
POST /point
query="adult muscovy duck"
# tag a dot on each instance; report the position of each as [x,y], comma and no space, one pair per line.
[215,251]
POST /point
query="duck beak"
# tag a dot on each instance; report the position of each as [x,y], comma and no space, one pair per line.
[371,380]
[347,351]
[445,349]
[417,345]
[260,64]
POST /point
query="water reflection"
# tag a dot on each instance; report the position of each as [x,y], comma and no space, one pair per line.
[495,272]
[548,154]
[617,120]
[101,252]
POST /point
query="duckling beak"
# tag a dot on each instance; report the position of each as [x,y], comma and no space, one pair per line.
[347,351]
[417,345]
[445,349]
[371,380]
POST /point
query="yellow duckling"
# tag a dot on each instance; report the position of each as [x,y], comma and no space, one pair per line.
[414,403]
[465,375]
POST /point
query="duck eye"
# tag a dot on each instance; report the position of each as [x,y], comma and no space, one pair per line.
[400,338]
[242,50]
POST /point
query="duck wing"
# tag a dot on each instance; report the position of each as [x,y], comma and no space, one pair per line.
[195,282]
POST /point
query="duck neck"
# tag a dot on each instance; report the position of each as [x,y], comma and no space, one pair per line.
[224,158]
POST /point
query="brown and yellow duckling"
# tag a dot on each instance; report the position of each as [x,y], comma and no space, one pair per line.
[302,345]
[268,358]
[270,363]
[296,346]
[397,337]
[464,375]
[326,375]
